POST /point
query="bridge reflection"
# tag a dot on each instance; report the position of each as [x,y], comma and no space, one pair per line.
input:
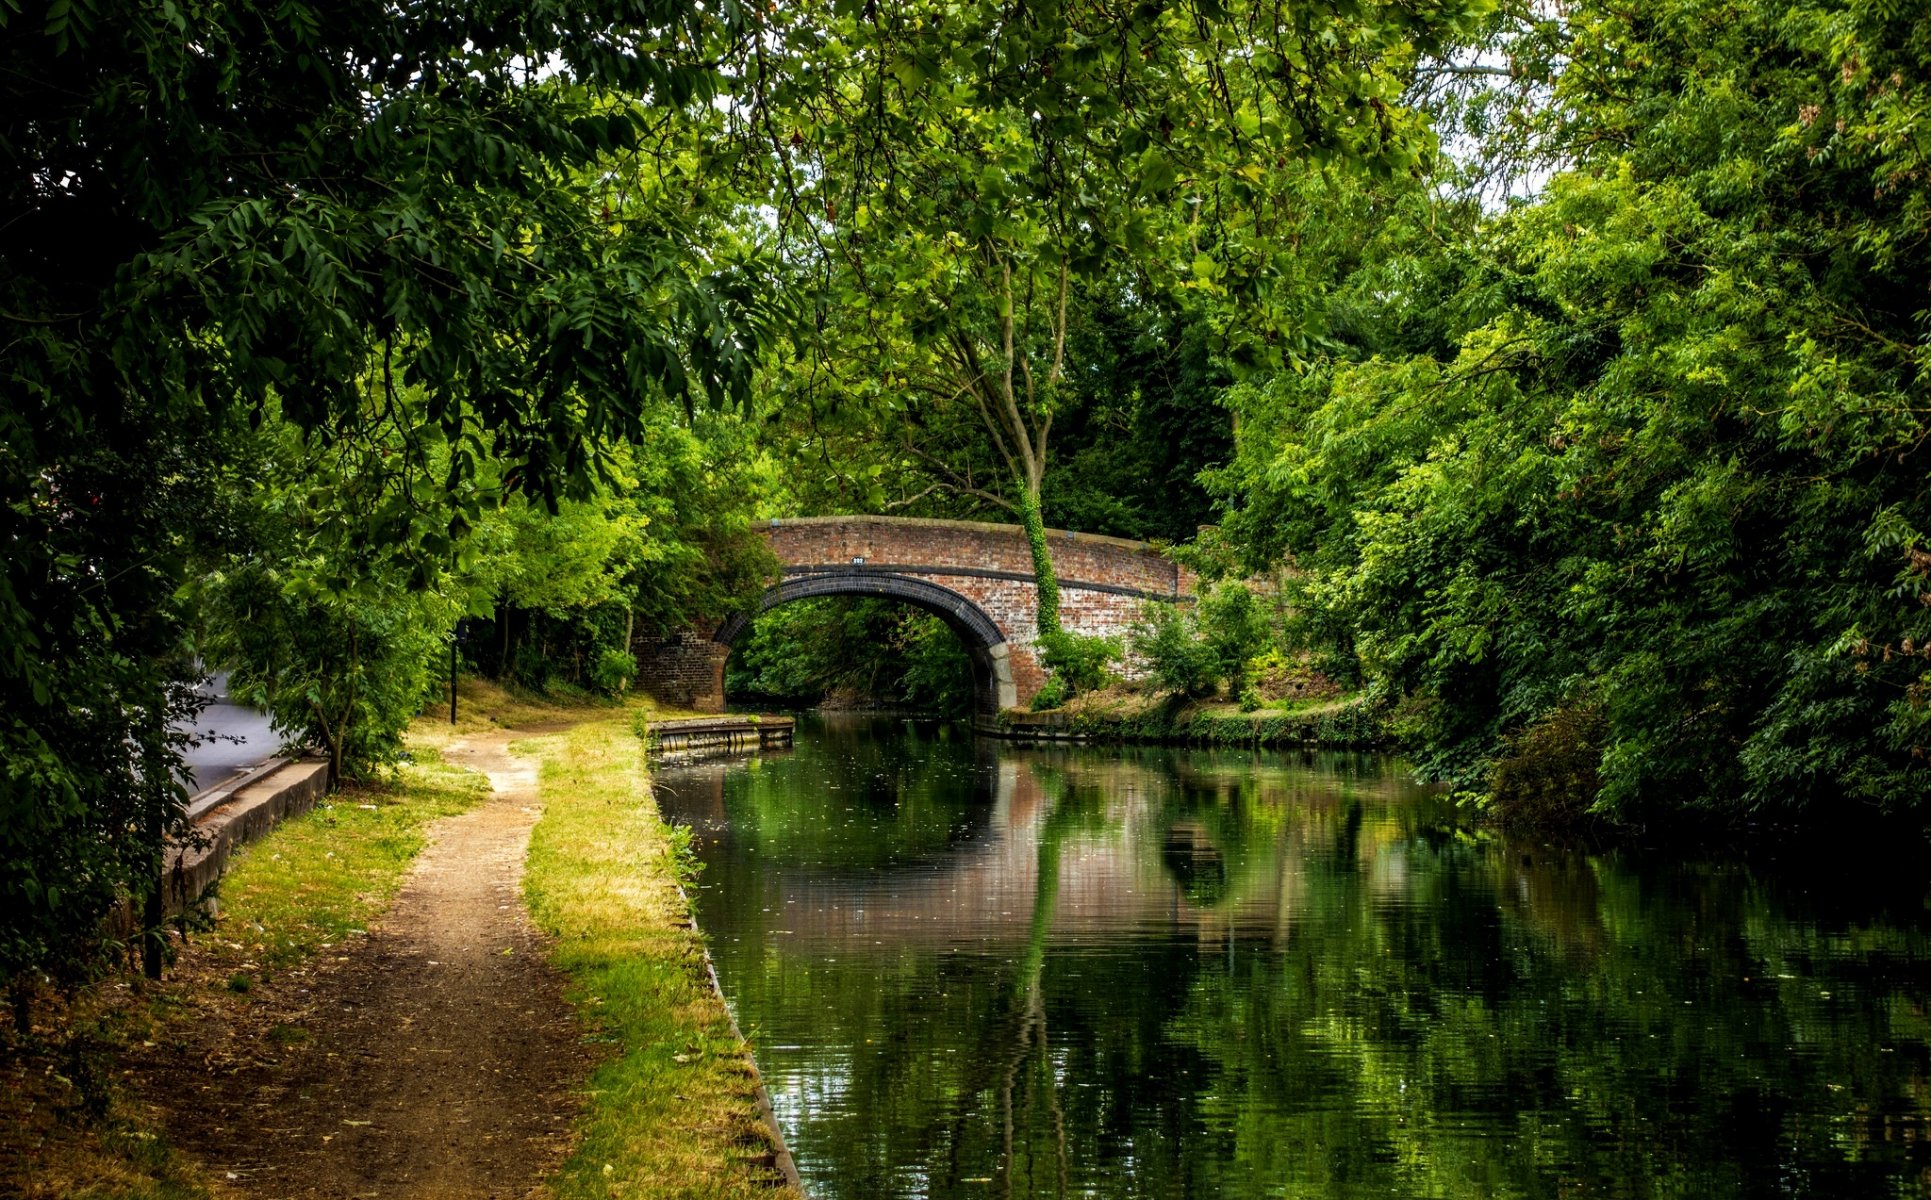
[1210,845]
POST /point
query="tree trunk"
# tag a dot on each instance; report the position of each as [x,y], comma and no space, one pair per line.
[154,904]
[1044,579]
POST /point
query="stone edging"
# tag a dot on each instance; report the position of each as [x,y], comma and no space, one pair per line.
[780,1152]
[235,814]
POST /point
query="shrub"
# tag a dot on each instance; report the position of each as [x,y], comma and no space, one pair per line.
[1549,775]
[1052,695]
[1234,627]
[1279,675]
[1079,662]
[1166,639]
[613,671]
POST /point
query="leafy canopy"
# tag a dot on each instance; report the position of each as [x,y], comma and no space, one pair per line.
[1657,471]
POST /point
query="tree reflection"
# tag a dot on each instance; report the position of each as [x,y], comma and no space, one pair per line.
[1171,974]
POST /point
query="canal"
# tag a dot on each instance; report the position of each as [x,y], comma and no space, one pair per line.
[976,970]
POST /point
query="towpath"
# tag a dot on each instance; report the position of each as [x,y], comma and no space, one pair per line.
[441,1058]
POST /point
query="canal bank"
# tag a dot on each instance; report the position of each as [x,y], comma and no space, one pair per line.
[1348,724]
[676,1109]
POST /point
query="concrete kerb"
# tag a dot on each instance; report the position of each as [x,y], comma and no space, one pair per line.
[212,798]
[234,814]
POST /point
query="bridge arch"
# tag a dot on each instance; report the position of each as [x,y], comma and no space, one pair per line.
[984,641]
[976,576]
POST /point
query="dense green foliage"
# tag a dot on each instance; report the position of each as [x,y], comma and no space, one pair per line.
[1196,650]
[1140,425]
[665,545]
[212,211]
[1078,662]
[328,632]
[966,196]
[1651,446]
[852,652]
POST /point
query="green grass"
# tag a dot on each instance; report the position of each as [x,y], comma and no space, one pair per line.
[673,1112]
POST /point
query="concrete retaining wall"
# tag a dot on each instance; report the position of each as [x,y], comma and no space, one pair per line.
[228,818]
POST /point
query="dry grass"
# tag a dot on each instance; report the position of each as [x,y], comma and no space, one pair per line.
[482,705]
[1131,701]
[673,1112]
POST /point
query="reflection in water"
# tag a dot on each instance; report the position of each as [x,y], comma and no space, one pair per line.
[975,970]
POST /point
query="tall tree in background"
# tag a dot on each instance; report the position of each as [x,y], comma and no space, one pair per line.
[957,180]
[1625,501]
[204,206]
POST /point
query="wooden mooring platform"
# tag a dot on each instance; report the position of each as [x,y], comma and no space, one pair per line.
[720,734]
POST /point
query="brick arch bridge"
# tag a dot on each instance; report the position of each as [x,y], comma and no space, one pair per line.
[975,576]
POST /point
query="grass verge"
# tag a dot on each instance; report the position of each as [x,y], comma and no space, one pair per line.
[69,1126]
[674,1112]
[317,880]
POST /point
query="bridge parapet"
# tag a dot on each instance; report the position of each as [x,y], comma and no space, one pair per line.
[1080,559]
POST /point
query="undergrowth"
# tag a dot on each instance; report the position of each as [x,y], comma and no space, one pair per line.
[1346,726]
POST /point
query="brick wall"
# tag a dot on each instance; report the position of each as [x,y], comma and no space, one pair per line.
[685,669]
[1084,557]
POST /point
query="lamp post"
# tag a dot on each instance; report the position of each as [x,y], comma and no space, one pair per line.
[457,637]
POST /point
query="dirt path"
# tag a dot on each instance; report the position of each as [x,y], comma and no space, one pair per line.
[444,1061]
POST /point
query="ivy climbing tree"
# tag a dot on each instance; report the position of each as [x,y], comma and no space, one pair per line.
[956,179]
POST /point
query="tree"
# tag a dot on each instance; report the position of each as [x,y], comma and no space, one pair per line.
[1661,479]
[959,180]
[665,543]
[208,206]
[331,597]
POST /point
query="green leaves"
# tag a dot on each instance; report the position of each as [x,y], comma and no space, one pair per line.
[302,211]
[1623,477]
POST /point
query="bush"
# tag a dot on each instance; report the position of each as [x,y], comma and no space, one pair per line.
[1167,640]
[1052,695]
[1192,653]
[1077,661]
[1279,675]
[530,666]
[1233,626]
[1550,773]
[613,671]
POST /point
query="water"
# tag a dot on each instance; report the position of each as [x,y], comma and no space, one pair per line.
[975,970]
